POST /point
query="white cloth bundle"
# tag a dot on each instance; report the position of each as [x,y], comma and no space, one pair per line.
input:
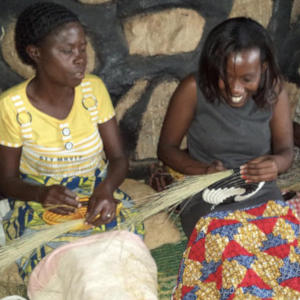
[108,266]
[4,209]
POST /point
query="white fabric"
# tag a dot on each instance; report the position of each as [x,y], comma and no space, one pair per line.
[108,266]
[4,209]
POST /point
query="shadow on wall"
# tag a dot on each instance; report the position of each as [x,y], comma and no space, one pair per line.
[141,49]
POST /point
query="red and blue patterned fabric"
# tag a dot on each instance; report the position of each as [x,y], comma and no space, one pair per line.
[244,254]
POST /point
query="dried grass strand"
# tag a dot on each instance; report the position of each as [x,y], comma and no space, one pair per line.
[25,244]
[174,195]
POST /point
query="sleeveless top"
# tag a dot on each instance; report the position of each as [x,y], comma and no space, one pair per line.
[234,136]
[231,135]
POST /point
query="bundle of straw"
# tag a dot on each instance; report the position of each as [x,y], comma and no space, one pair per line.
[172,196]
[24,245]
[145,207]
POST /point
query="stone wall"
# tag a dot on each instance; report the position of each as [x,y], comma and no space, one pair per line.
[143,48]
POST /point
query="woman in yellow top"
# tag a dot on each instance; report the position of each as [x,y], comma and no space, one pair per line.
[54,128]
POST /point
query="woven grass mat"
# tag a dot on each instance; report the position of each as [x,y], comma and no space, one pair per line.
[167,258]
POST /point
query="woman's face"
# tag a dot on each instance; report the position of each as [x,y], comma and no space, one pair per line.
[62,55]
[244,71]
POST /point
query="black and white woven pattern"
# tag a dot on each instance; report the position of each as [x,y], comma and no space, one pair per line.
[230,189]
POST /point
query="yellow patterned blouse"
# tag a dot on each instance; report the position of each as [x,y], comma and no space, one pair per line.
[53,147]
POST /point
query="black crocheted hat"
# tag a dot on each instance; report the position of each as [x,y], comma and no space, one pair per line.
[36,22]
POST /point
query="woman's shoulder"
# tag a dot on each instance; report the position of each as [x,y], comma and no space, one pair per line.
[187,89]
[14,93]
[189,81]
[93,80]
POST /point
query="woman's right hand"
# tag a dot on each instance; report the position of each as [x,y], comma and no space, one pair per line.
[56,195]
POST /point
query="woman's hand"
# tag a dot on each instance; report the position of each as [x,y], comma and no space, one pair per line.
[215,166]
[55,195]
[263,168]
[102,207]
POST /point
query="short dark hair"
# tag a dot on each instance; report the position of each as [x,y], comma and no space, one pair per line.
[231,36]
[36,22]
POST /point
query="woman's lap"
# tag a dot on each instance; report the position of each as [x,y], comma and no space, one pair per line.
[27,217]
[251,252]
[195,208]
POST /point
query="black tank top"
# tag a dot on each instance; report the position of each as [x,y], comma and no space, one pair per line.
[231,135]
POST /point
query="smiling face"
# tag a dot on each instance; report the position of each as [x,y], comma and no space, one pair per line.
[244,70]
[61,57]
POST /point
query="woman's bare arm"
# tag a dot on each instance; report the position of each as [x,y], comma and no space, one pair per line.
[11,185]
[179,116]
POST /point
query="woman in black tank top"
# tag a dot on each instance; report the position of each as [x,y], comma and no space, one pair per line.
[235,114]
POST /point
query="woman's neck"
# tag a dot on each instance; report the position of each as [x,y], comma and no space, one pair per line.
[52,99]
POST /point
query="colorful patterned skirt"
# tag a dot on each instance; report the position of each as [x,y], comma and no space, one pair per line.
[252,253]
[27,217]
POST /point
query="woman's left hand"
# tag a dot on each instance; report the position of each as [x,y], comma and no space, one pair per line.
[101,208]
[263,168]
